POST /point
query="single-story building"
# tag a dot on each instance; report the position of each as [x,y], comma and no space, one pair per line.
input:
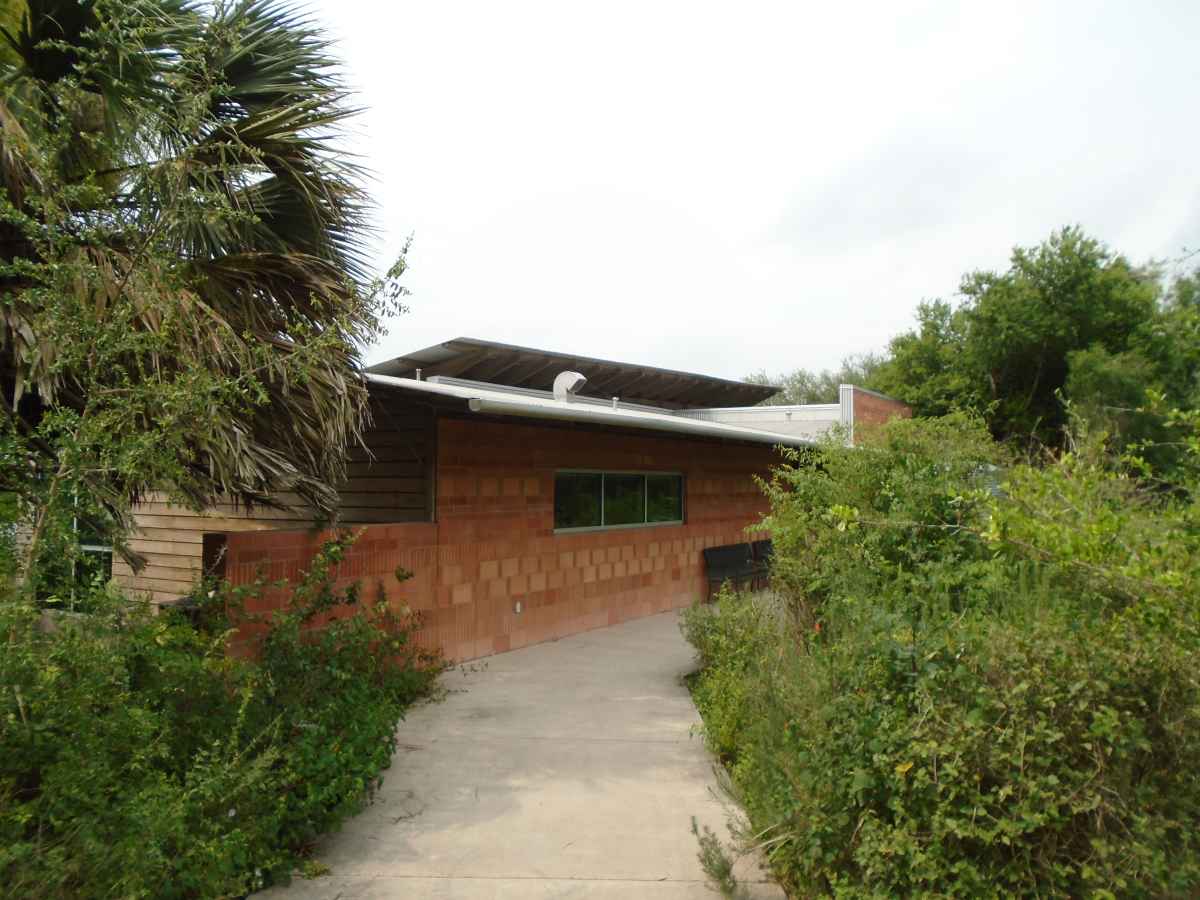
[531,494]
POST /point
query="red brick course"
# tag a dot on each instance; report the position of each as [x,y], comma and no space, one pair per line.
[493,543]
[871,408]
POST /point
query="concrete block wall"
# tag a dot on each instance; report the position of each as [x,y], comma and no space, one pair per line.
[493,543]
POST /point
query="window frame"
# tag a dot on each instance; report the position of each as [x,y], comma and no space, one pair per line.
[582,529]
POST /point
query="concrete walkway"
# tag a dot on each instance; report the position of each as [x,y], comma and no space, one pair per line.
[566,770]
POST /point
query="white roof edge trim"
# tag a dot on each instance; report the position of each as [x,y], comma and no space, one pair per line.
[505,404]
[779,407]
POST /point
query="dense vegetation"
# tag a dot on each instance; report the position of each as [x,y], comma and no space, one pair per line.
[183,304]
[1069,319]
[139,758]
[184,295]
[976,673]
[974,677]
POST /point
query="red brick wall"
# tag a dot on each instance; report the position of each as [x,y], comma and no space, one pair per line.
[494,543]
[871,408]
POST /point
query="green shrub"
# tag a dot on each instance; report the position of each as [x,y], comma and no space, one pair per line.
[138,758]
[965,687]
[730,638]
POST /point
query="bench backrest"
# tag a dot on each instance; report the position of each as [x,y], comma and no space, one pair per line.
[763,550]
[729,559]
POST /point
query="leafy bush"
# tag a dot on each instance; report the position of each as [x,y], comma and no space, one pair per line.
[966,685]
[150,348]
[139,758]
[729,645]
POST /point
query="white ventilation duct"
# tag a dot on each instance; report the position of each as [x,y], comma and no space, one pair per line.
[567,385]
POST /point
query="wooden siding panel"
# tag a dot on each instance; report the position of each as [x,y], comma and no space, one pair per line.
[383,516]
[390,480]
[378,469]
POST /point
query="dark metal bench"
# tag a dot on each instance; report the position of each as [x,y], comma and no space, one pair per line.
[732,562]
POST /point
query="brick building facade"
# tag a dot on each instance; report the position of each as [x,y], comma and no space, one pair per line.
[491,574]
[873,408]
[530,494]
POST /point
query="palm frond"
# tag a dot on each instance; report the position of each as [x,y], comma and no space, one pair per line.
[192,156]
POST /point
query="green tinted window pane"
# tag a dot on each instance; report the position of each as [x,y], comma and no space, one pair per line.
[577,500]
[664,498]
[624,499]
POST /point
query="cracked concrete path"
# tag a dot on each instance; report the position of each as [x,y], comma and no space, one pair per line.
[564,770]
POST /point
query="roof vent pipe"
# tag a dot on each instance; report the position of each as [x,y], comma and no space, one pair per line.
[567,384]
[616,400]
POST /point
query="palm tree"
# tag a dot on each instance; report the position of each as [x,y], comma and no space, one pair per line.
[172,179]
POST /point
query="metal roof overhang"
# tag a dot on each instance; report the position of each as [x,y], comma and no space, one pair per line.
[505,364]
[503,403]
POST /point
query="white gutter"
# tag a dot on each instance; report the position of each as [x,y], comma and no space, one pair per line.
[500,403]
[652,421]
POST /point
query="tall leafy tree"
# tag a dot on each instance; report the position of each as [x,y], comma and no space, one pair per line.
[184,291]
[1067,294]
[1005,350]
[924,367]
[1141,396]
[1171,341]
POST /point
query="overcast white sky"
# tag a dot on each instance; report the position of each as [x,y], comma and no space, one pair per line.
[728,187]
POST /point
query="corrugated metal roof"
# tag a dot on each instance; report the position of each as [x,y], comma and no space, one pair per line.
[526,367]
